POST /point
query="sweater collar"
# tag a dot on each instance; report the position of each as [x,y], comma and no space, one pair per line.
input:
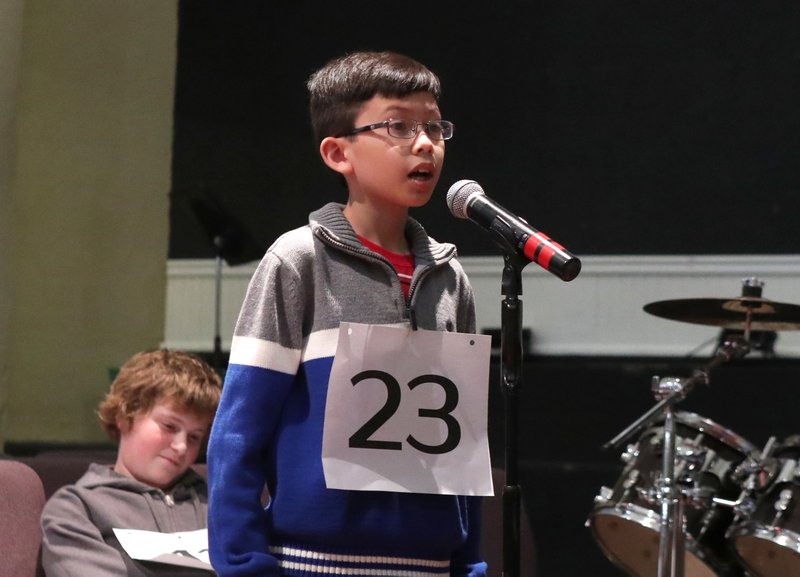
[104,475]
[425,249]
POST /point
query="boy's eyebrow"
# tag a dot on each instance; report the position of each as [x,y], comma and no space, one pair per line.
[201,430]
[397,106]
[172,414]
[393,111]
[402,107]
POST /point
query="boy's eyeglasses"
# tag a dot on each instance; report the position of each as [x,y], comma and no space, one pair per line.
[404,128]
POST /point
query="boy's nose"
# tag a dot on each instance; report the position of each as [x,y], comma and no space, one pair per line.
[179,443]
[422,140]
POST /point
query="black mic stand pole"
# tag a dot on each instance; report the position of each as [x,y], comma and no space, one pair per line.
[511,369]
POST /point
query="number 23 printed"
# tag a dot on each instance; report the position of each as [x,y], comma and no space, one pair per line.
[363,437]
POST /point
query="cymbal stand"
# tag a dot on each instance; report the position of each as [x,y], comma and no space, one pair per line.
[669,391]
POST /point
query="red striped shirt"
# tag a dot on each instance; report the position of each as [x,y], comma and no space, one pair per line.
[403,263]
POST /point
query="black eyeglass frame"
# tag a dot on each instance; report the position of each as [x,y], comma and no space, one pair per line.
[444,125]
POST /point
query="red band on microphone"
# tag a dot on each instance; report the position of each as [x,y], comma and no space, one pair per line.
[540,249]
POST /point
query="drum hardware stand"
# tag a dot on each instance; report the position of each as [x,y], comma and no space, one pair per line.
[669,391]
[750,467]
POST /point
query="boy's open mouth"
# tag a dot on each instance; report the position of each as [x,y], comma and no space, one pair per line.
[421,175]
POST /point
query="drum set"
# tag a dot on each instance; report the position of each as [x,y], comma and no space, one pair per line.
[695,499]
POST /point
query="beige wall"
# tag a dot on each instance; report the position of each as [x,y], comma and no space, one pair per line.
[10,42]
[89,205]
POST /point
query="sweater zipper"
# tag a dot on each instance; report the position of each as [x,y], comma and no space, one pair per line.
[415,280]
[412,289]
[365,252]
[169,501]
[350,248]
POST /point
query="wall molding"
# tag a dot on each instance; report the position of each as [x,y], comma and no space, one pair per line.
[597,314]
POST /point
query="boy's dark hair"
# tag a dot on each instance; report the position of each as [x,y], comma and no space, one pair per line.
[339,88]
[151,377]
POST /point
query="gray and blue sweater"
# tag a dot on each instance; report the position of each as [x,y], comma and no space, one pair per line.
[268,428]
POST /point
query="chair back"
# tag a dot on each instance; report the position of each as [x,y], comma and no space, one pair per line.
[21,502]
[59,468]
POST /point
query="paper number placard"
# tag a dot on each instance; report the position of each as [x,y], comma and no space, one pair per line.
[407,411]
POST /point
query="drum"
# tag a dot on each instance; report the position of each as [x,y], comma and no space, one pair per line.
[626,519]
[767,540]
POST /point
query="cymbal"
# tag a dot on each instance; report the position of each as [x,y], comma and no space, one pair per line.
[766,315]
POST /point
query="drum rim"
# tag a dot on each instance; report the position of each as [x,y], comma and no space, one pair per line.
[782,537]
[727,436]
[633,513]
[629,512]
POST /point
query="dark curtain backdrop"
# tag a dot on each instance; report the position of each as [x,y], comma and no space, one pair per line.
[615,127]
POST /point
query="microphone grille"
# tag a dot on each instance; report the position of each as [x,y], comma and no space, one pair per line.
[459,194]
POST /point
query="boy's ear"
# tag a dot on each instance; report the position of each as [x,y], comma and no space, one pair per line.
[123,424]
[333,152]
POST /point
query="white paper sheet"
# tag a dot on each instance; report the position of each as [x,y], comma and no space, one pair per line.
[184,549]
[407,412]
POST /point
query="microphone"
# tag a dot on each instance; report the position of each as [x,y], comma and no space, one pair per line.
[466,199]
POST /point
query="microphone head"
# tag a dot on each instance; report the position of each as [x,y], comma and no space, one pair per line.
[459,195]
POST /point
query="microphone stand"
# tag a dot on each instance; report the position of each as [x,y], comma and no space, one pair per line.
[513,236]
[511,369]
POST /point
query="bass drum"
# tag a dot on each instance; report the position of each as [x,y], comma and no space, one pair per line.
[626,520]
[768,540]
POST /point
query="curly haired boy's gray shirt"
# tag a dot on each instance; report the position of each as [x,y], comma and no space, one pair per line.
[78,522]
